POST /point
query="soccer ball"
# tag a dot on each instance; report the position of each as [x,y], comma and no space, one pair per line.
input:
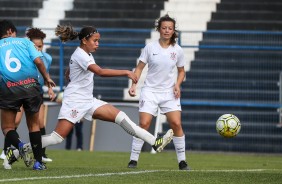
[228,125]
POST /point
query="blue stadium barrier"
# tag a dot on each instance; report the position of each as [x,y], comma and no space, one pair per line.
[231,104]
[277,36]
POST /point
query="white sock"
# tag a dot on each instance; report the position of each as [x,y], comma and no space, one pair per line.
[131,128]
[136,147]
[47,140]
[51,139]
[179,144]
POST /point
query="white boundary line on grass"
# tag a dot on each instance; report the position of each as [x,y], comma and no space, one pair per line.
[127,173]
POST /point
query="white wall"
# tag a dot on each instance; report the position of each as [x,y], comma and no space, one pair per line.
[50,15]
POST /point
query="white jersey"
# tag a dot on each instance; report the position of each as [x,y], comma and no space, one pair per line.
[161,65]
[80,87]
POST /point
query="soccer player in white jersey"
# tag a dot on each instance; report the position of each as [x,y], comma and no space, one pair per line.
[160,89]
[78,101]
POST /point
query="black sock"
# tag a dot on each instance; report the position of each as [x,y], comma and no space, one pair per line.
[36,144]
[7,143]
[13,137]
[43,132]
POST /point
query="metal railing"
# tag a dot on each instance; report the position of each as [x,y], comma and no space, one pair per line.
[265,41]
[280,97]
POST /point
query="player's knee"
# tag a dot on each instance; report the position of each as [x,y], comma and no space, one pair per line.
[144,125]
[175,125]
[5,130]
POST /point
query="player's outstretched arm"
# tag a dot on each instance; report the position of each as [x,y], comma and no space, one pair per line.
[112,73]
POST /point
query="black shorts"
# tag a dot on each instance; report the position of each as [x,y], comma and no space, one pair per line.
[30,104]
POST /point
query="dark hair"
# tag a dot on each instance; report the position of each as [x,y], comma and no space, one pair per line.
[67,33]
[35,33]
[5,25]
[167,18]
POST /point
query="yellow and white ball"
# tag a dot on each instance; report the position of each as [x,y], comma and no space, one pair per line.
[228,125]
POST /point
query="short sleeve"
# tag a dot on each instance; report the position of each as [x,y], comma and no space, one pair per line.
[144,55]
[180,58]
[83,59]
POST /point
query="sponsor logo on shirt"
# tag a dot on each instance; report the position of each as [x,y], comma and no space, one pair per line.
[27,83]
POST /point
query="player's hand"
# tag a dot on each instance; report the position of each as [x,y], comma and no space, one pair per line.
[132,91]
[50,83]
[177,91]
[132,76]
[51,94]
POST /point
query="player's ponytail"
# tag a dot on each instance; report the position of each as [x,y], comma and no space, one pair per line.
[67,33]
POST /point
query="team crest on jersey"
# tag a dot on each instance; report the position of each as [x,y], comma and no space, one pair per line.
[141,104]
[74,113]
[173,56]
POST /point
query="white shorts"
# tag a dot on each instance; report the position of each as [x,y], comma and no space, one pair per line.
[74,111]
[149,102]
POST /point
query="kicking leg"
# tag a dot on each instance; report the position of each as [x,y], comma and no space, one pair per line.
[110,113]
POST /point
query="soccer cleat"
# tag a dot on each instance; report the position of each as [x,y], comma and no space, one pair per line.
[46,159]
[39,166]
[3,156]
[183,165]
[132,164]
[24,153]
[6,164]
[162,141]
[10,156]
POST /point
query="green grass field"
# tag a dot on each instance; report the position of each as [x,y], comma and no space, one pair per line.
[110,167]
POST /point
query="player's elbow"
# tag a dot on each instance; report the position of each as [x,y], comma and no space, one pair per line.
[101,73]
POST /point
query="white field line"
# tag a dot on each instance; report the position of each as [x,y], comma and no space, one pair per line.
[127,173]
